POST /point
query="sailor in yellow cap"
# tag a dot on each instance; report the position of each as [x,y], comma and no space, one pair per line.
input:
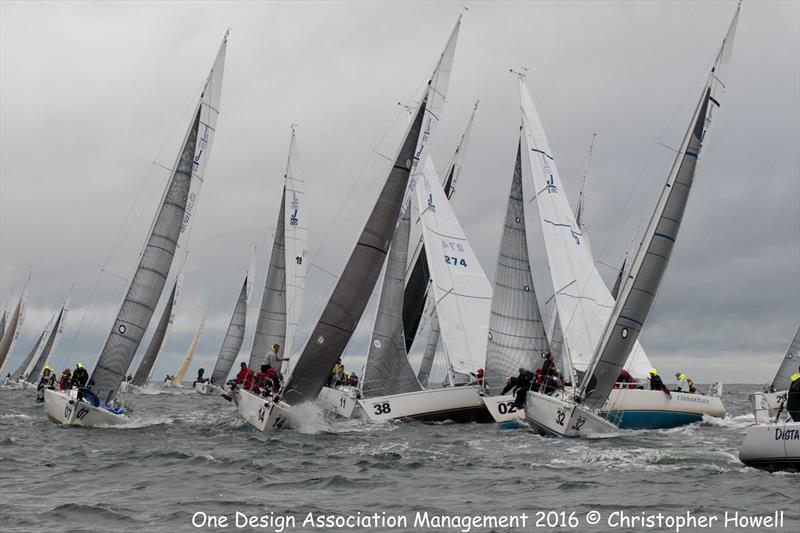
[80,376]
[682,385]
[793,400]
[656,383]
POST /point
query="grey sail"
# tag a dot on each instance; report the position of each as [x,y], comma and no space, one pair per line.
[39,344]
[3,318]
[154,348]
[516,332]
[789,365]
[425,367]
[10,334]
[271,325]
[618,281]
[234,337]
[150,277]
[387,371]
[49,347]
[639,290]
[354,287]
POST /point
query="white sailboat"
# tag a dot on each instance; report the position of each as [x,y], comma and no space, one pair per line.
[778,389]
[177,378]
[580,416]
[773,442]
[346,305]
[24,369]
[48,348]
[97,405]
[13,327]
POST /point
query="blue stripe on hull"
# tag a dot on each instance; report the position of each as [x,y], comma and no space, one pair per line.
[652,419]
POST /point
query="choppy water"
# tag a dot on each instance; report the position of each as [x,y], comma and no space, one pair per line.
[184,453]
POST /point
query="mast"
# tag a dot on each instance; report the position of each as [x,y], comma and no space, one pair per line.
[157,256]
[354,287]
[639,290]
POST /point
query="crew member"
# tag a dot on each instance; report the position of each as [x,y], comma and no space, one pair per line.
[793,400]
[548,374]
[200,378]
[80,376]
[65,382]
[273,359]
[523,383]
[656,383]
[682,385]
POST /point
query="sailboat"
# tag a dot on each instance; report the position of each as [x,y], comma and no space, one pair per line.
[777,393]
[12,329]
[282,298]
[346,305]
[773,442]
[99,405]
[24,369]
[177,378]
[48,347]
[581,415]
[342,400]
[231,343]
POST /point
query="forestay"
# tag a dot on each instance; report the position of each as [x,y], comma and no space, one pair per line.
[234,336]
[354,287]
[387,370]
[461,291]
[789,365]
[516,333]
[156,258]
[582,298]
[641,285]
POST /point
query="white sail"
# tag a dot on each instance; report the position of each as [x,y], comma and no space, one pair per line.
[461,291]
[583,301]
[640,287]
[13,328]
[51,345]
[516,331]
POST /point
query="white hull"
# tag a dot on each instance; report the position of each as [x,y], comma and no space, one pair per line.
[207,388]
[341,401]
[460,404]
[262,413]
[648,409]
[772,447]
[502,409]
[65,408]
[552,416]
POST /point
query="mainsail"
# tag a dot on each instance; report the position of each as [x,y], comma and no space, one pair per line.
[156,258]
[789,365]
[516,331]
[187,358]
[354,287]
[582,299]
[13,328]
[387,370]
[26,365]
[157,341]
[461,291]
[234,337]
[3,318]
[286,276]
[641,285]
[51,344]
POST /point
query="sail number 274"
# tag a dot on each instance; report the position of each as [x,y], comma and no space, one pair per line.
[455,261]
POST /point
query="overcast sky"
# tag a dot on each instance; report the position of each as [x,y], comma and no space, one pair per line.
[91,94]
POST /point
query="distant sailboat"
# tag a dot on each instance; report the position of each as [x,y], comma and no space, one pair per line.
[13,328]
[94,407]
[50,345]
[581,416]
[178,377]
[23,371]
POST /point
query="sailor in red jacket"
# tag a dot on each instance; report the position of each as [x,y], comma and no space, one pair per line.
[243,371]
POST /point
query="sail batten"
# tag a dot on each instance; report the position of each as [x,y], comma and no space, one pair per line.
[354,287]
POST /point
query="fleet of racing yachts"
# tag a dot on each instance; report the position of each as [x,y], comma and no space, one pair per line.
[490,338]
